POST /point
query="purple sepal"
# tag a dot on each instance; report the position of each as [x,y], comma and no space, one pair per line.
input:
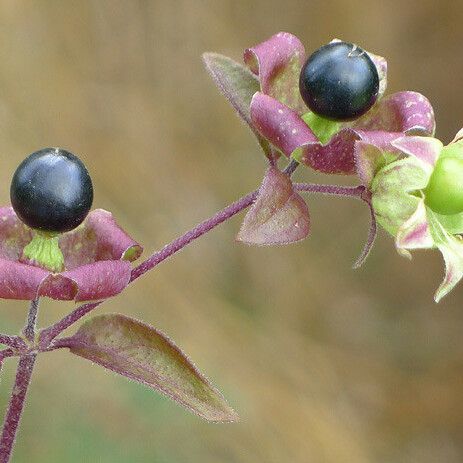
[278,216]
[96,256]
[286,130]
[407,112]
[20,281]
[90,282]
[426,149]
[389,120]
[278,62]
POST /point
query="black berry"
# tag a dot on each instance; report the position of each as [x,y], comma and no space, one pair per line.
[52,191]
[339,81]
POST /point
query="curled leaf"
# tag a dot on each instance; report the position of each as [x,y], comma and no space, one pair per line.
[142,353]
[278,216]
[426,149]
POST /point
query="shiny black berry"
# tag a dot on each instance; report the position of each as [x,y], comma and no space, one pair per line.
[339,81]
[52,191]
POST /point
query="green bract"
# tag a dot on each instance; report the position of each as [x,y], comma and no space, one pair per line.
[417,196]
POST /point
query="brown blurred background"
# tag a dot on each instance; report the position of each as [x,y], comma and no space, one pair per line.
[323,363]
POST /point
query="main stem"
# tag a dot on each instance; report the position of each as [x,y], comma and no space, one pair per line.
[19,392]
[16,406]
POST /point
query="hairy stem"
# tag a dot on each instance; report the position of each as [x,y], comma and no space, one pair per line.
[334,190]
[50,333]
[16,406]
[359,192]
[176,245]
[193,234]
[291,167]
[29,329]
[15,342]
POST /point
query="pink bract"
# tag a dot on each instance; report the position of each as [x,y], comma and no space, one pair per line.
[276,111]
[97,258]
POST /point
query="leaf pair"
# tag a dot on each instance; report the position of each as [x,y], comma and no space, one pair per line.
[141,353]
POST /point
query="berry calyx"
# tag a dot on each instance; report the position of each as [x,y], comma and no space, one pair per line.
[444,193]
[339,81]
[51,191]
[44,251]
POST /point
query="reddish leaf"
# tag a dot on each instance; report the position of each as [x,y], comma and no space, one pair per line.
[142,353]
[278,216]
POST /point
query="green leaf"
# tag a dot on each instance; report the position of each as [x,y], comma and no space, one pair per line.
[238,85]
[142,353]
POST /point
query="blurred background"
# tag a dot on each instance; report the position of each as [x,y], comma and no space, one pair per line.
[323,363]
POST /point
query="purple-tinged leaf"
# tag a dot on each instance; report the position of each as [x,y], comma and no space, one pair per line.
[278,62]
[141,353]
[278,216]
[238,85]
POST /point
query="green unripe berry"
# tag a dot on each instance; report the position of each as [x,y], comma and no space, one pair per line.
[444,193]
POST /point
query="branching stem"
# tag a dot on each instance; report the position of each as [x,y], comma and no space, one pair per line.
[29,329]
[50,333]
